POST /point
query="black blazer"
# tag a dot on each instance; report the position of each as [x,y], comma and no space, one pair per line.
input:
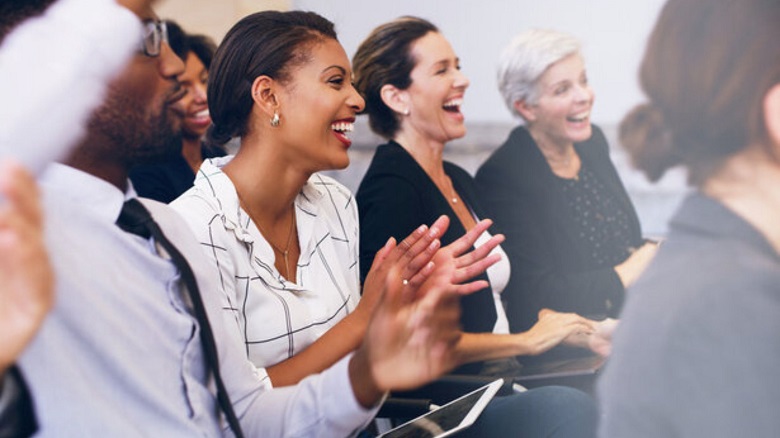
[550,266]
[395,197]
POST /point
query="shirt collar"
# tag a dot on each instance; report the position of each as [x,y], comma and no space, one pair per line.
[211,178]
[721,221]
[99,197]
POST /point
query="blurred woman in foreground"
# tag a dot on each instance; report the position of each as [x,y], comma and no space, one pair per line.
[696,352]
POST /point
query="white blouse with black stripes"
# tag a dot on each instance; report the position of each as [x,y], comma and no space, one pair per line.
[278,318]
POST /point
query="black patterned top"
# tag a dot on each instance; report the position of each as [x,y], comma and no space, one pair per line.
[604,226]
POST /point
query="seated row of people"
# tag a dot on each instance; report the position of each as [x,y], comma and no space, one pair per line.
[179,338]
[286,239]
[154,354]
[408,184]
[415,105]
[136,344]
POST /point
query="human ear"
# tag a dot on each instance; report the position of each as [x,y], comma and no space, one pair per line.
[264,91]
[772,115]
[525,110]
[397,100]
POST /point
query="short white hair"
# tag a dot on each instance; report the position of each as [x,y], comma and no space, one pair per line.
[526,58]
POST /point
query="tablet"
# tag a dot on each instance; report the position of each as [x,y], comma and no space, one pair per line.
[450,418]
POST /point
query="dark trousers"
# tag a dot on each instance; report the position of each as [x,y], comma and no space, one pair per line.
[550,411]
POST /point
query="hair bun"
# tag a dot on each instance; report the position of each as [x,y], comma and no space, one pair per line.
[217,136]
[644,134]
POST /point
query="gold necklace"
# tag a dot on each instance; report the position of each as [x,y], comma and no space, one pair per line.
[284,252]
[454,194]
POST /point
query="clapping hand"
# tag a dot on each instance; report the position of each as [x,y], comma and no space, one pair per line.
[457,266]
[410,261]
[416,323]
[26,279]
[419,256]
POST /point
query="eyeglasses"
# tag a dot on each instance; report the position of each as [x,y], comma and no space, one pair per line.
[155,32]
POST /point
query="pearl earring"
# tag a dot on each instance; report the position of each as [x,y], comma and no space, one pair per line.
[275,120]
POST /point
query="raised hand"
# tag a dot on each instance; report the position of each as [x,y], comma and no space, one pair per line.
[419,257]
[415,327]
[411,259]
[26,280]
[458,266]
[410,339]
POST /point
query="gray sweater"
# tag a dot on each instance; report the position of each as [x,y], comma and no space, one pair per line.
[697,352]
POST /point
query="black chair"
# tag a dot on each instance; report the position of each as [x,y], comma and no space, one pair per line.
[400,408]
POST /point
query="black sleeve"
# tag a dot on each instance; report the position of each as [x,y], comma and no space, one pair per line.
[389,206]
[17,415]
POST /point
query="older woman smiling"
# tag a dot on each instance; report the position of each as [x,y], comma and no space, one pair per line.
[572,234]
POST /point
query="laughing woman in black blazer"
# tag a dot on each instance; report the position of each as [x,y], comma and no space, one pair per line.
[410,78]
[571,231]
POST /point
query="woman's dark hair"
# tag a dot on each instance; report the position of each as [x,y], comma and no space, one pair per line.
[707,68]
[177,39]
[203,47]
[383,58]
[266,43]
[183,43]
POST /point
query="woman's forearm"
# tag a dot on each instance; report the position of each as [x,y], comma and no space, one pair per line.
[331,347]
[477,347]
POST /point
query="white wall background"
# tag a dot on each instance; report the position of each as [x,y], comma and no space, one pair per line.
[613,33]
